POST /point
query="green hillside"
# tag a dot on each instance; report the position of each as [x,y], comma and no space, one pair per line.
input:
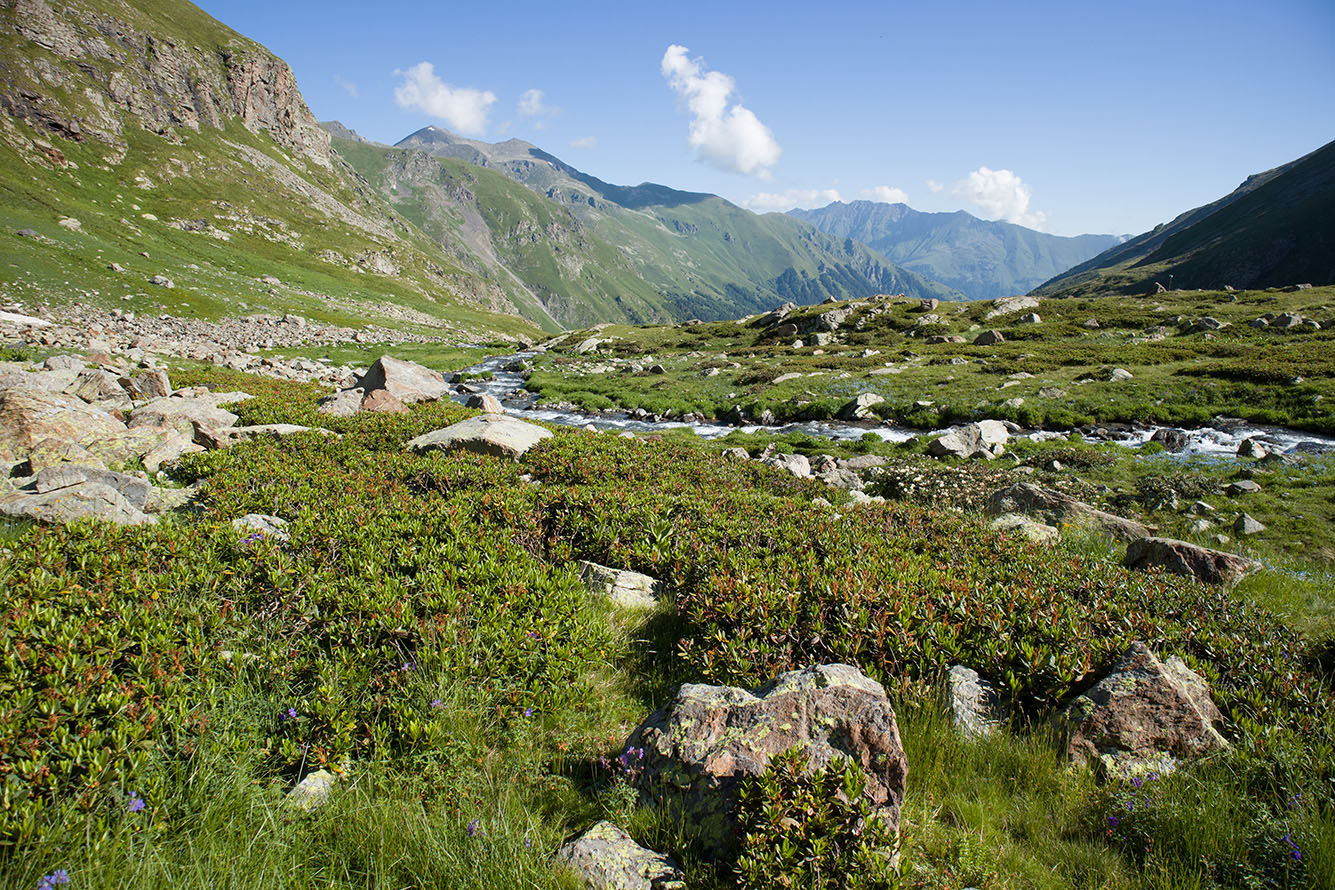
[707,257]
[985,259]
[1276,229]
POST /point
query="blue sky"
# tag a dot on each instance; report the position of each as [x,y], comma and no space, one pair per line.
[1072,117]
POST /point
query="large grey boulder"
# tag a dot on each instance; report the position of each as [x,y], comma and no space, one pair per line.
[977,708]
[628,589]
[692,755]
[1010,305]
[797,464]
[989,338]
[408,381]
[1061,510]
[860,407]
[29,415]
[485,402]
[609,859]
[343,403]
[1026,526]
[185,413]
[1190,560]
[150,383]
[985,439]
[135,490]
[498,435]
[1146,716]
[84,500]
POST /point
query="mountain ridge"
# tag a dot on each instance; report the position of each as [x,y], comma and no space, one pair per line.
[984,259]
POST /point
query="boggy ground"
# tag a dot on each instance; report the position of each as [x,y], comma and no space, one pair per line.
[1056,373]
[425,635]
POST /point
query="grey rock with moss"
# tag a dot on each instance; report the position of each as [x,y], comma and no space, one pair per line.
[985,439]
[1026,526]
[691,756]
[1190,560]
[1145,716]
[607,858]
[498,435]
[630,590]
[83,500]
[1062,510]
[797,464]
[977,708]
[408,381]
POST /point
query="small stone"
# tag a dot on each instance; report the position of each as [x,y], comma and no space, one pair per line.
[1246,525]
[607,858]
[1242,486]
[313,790]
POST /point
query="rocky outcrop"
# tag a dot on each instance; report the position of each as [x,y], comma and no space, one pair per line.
[406,381]
[155,79]
[692,754]
[1145,716]
[976,707]
[985,439]
[607,858]
[1190,560]
[630,590]
[1060,510]
[498,435]
[29,415]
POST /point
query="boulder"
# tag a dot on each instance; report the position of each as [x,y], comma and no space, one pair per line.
[840,477]
[256,526]
[1120,375]
[184,413]
[498,435]
[607,858]
[343,403]
[929,305]
[1182,558]
[628,589]
[989,338]
[1018,523]
[692,754]
[29,415]
[408,381]
[53,452]
[985,439]
[1061,510]
[976,707]
[1145,716]
[134,490]
[85,500]
[130,443]
[1010,305]
[382,401]
[797,464]
[1247,525]
[1252,448]
[487,402]
[1242,486]
[1171,439]
[101,387]
[1030,318]
[860,407]
[151,383]
[312,791]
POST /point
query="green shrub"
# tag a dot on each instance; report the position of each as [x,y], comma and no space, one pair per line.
[815,829]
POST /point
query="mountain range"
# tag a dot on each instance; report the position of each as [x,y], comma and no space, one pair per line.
[981,258]
[1276,229]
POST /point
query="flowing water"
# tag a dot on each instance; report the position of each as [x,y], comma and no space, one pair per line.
[508,386]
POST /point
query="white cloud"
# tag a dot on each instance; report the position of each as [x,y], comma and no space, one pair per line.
[348,86]
[935,186]
[729,137]
[767,202]
[1001,195]
[886,195]
[463,108]
[585,142]
[531,104]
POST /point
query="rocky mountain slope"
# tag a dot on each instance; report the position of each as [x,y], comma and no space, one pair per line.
[704,256]
[982,258]
[1276,229]
[153,159]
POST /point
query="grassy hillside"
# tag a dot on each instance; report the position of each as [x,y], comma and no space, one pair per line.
[706,257]
[983,259]
[1276,229]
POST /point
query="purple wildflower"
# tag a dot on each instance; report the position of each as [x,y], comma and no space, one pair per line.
[528,712]
[1293,848]
[289,714]
[1137,781]
[474,829]
[136,803]
[56,878]
[1113,821]
[437,704]
[407,666]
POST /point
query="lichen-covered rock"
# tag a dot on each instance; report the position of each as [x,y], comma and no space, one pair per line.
[609,859]
[1034,530]
[699,747]
[630,590]
[498,435]
[132,488]
[382,401]
[407,381]
[797,464]
[185,412]
[1146,715]
[344,403]
[85,500]
[976,707]
[860,407]
[985,439]
[1190,560]
[1060,510]
[254,527]
[312,791]
[29,415]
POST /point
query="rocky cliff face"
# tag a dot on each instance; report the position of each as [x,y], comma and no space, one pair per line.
[198,75]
